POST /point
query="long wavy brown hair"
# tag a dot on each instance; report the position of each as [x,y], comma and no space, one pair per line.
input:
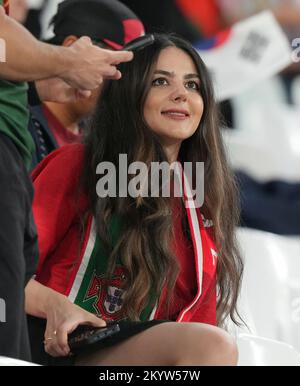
[144,243]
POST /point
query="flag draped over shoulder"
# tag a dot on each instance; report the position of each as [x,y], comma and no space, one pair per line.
[248,52]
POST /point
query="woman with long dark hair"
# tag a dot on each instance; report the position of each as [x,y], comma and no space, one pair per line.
[147,260]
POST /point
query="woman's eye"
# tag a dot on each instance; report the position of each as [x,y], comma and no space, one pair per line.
[193,85]
[159,82]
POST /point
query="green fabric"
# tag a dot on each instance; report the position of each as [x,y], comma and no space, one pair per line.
[14,116]
[90,295]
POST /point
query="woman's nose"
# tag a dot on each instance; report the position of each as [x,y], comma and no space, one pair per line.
[179,93]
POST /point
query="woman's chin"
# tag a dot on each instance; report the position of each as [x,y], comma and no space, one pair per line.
[179,136]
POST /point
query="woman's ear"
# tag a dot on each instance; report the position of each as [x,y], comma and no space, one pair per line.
[69,40]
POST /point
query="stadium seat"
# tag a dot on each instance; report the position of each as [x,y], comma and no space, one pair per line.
[4,361]
[258,351]
[270,294]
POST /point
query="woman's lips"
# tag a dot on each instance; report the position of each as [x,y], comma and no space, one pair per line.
[176,114]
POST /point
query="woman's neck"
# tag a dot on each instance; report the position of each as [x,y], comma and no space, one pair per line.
[172,151]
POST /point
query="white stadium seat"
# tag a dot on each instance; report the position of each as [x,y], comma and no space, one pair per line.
[258,351]
[4,361]
[270,296]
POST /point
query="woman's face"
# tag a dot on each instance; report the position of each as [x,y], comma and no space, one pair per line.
[174,106]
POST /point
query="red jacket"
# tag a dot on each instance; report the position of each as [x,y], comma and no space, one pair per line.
[57,209]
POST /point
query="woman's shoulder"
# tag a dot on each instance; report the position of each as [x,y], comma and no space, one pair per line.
[65,161]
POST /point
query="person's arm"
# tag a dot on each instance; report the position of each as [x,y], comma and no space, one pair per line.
[62,316]
[82,65]
[57,90]
[56,205]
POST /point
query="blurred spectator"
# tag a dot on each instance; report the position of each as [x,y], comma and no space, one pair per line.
[286,11]
[109,24]
[205,14]
[164,16]
[271,206]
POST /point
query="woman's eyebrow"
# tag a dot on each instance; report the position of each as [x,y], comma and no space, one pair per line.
[163,72]
[172,74]
[191,76]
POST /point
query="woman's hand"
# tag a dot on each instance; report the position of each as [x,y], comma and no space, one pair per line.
[62,318]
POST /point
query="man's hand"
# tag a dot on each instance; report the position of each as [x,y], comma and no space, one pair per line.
[88,64]
[57,90]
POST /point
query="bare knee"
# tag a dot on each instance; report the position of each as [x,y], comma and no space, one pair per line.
[204,345]
[223,348]
[171,344]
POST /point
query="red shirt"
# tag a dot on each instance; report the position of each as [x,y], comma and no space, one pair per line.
[186,283]
[61,134]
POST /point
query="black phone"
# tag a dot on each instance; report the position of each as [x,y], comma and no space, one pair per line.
[140,43]
[85,336]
